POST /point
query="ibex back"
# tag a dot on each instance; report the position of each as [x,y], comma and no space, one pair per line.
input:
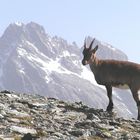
[113,73]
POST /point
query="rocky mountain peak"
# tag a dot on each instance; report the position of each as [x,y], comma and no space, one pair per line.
[13,33]
[36,27]
[33,62]
[17,32]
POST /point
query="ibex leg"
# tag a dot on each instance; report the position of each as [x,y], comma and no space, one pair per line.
[136,96]
[109,94]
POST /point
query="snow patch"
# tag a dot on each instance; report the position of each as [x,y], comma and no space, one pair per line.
[88,75]
[108,45]
[22,52]
[18,23]
[66,54]
[76,62]
[22,71]
[44,63]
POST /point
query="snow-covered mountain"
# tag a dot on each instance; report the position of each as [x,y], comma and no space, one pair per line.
[31,61]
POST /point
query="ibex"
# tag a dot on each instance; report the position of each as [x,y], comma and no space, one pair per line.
[113,73]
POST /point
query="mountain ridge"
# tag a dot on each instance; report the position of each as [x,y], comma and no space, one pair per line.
[31,61]
[27,116]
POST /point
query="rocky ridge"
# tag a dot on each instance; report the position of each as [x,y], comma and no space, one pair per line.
[25,115]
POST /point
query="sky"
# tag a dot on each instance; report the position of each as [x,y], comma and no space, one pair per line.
[116,22]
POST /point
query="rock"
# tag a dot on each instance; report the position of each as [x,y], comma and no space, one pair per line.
[5,91]
[114,123]
[23,130]
[84,124]
[1,116]
[92,116]
[14,120]
[57,134]
[27,137]
[18,114]
[106,134]
[26,116]
[76,133]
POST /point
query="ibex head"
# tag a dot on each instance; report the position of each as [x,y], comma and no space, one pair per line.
[89,53]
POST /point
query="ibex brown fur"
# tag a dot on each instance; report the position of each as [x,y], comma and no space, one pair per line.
[112,73]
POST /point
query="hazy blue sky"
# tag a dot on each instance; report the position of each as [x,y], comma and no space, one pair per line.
[114,21]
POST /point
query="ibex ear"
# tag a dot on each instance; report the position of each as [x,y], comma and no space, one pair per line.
[95,49]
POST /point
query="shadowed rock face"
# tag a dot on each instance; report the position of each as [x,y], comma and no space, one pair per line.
[31,61]
[39,117]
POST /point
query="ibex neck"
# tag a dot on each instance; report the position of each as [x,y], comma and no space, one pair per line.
[95,62]
[93,65]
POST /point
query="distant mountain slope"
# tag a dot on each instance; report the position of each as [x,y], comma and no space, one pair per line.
[33,62]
